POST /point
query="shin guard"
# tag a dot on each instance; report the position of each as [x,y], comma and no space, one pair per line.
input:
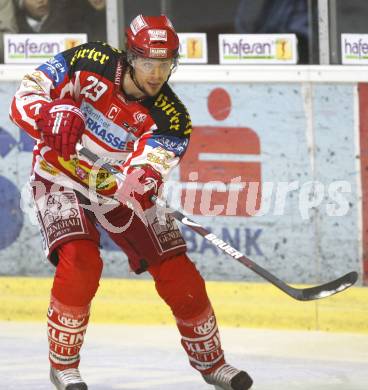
[66,327]
[201,341]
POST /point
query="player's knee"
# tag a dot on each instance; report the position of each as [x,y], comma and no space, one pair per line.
[78,272]
[182,287]
[191,302]
[83,257]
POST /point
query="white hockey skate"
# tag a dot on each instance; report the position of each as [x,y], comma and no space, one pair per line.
[228,377]
[68,379]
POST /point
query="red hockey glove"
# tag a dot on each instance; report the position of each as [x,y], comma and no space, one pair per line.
[61,123]
[137,189]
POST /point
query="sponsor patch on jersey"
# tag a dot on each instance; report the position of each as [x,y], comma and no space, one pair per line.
[55,68]
[90,54]
[170,143]
[160,156]
[166,236]
[48,168]
[60,216]
[179,120]
[139,117]
[106,130]
[102,132]
[157,35]
[169,108]
[100,179]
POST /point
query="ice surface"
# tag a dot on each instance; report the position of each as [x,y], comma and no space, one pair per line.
[151,357]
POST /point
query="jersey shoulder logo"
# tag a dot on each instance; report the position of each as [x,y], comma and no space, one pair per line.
[93,57]
[55,68]
[170,114]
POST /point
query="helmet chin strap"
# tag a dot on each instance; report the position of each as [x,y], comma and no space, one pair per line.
[135,81]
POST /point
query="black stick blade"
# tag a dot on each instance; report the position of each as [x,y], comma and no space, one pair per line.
[327,289]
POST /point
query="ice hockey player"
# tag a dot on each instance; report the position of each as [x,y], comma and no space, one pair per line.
[119,105]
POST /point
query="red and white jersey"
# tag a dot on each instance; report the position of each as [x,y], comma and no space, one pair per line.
[153,131]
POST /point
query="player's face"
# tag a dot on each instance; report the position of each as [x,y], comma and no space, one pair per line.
[151,74]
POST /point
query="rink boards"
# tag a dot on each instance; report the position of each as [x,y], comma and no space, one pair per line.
[293,137]
[237,304]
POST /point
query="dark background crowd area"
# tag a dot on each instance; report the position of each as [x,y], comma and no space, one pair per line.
[62,16]
[53,16]
[233,16]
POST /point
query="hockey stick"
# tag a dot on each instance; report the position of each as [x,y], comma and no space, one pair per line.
[301,294]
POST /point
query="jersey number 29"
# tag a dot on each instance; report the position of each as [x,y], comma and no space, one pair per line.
[95,89]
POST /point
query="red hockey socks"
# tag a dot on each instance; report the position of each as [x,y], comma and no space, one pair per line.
[181,286]
[66,327]
[201,341]
[75,284]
